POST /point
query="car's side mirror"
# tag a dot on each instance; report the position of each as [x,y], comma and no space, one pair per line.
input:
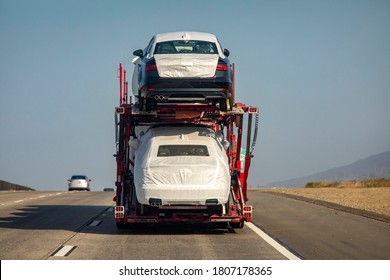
[139,53]
[226,52]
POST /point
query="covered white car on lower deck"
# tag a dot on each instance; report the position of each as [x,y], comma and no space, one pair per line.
[181,165]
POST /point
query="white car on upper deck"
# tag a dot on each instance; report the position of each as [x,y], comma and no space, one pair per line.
[189,67]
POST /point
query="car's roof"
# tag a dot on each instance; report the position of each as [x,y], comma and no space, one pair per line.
[176,134]
[185,35]
[179,128]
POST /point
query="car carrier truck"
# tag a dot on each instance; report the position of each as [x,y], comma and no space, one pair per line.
[182,162]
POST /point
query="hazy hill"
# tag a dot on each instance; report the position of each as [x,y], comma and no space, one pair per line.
[373,167]
[4,186]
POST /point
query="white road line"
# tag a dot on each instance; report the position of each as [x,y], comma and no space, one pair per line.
[64,251]
[272,242]
[32,198]
[95,223]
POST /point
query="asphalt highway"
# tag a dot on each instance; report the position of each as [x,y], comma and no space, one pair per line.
[80,226]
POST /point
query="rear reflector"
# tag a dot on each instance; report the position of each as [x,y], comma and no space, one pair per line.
[120,110]
[119,212]
[247,211]
[222,67]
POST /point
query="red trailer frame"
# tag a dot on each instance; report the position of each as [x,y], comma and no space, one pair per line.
[127,118]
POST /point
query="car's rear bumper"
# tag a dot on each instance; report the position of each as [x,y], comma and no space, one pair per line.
[76,187]
[153,84]
[184,195]
[79,189]
[189,94]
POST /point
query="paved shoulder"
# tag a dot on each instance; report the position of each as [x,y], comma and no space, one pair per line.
[316,232]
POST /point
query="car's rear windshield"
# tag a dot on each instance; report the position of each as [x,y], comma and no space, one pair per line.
[192,46]
[182,150]
[79,177]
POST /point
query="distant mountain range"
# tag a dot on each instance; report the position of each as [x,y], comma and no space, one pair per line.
[373,167]
[5,186]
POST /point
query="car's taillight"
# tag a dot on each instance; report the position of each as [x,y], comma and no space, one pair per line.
[151,67]
[222,67]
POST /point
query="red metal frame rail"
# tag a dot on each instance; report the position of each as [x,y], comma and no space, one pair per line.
[231,122]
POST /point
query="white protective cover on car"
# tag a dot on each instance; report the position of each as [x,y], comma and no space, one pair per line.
[188,180]
[186,65]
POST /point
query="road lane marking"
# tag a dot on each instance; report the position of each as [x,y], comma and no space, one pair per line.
[31,198]
[64,251]
[272,242]
[95,223]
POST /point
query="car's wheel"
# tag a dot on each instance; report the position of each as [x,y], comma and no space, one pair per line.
[140,103]
[237,225]
[223,105]
[230,103]
[227,205]
[221,225]
[149,105]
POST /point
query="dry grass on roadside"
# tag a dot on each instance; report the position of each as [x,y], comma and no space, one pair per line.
[375,183]
[369,195]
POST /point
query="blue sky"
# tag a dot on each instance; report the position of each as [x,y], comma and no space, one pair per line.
[318,70]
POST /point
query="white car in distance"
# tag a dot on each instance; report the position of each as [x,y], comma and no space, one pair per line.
[79,182]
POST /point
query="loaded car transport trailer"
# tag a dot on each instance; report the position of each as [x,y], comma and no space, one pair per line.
[177,202]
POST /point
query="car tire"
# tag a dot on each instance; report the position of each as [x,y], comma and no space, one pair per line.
[237,224]
[223,105]
[230,104]
[149,105]
[221,225]
[140,103]
[227,204]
